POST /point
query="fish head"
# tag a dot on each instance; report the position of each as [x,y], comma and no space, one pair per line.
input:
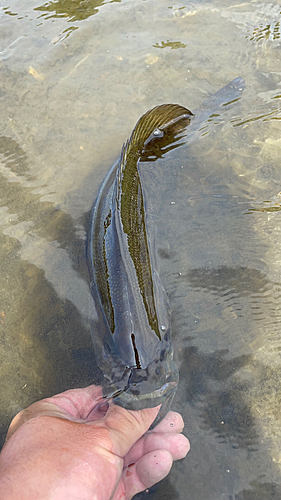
[149,387]
[158,130]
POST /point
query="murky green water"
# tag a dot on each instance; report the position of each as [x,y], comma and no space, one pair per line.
[75,77]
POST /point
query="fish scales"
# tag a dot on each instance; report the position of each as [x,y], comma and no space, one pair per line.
[132,340]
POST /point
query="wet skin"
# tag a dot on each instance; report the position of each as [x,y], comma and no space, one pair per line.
[72,447]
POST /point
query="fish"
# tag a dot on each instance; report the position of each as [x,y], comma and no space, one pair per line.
[133,339]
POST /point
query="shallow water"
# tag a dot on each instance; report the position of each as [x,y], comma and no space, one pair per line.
[75,77]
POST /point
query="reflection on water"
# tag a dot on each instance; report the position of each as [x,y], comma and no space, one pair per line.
[67,106]
[74,10]
[261,24]
[273,205]
[266,32]
[171,45]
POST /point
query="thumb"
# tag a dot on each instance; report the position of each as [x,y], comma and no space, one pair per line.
[127,426]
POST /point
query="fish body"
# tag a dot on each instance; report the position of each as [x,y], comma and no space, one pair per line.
[133,343]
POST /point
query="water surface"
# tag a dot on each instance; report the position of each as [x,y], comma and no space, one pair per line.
[75,77]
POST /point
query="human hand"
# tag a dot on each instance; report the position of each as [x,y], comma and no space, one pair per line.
[75,446]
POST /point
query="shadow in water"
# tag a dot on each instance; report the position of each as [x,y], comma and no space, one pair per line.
[207,383]
[240,280]
[259,491]
[45,346]
[14,156]
[45,341]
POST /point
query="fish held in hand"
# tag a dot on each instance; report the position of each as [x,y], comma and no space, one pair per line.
[132,342]
[133,345]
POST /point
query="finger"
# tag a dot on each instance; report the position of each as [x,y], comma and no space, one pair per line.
[77,405]
[127,426]
[36,409]
[148,471]
[176,444]
[172,422]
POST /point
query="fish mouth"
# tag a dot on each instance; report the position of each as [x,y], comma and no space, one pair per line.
[132,398]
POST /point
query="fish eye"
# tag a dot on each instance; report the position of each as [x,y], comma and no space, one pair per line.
[157,371]
[157,132]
